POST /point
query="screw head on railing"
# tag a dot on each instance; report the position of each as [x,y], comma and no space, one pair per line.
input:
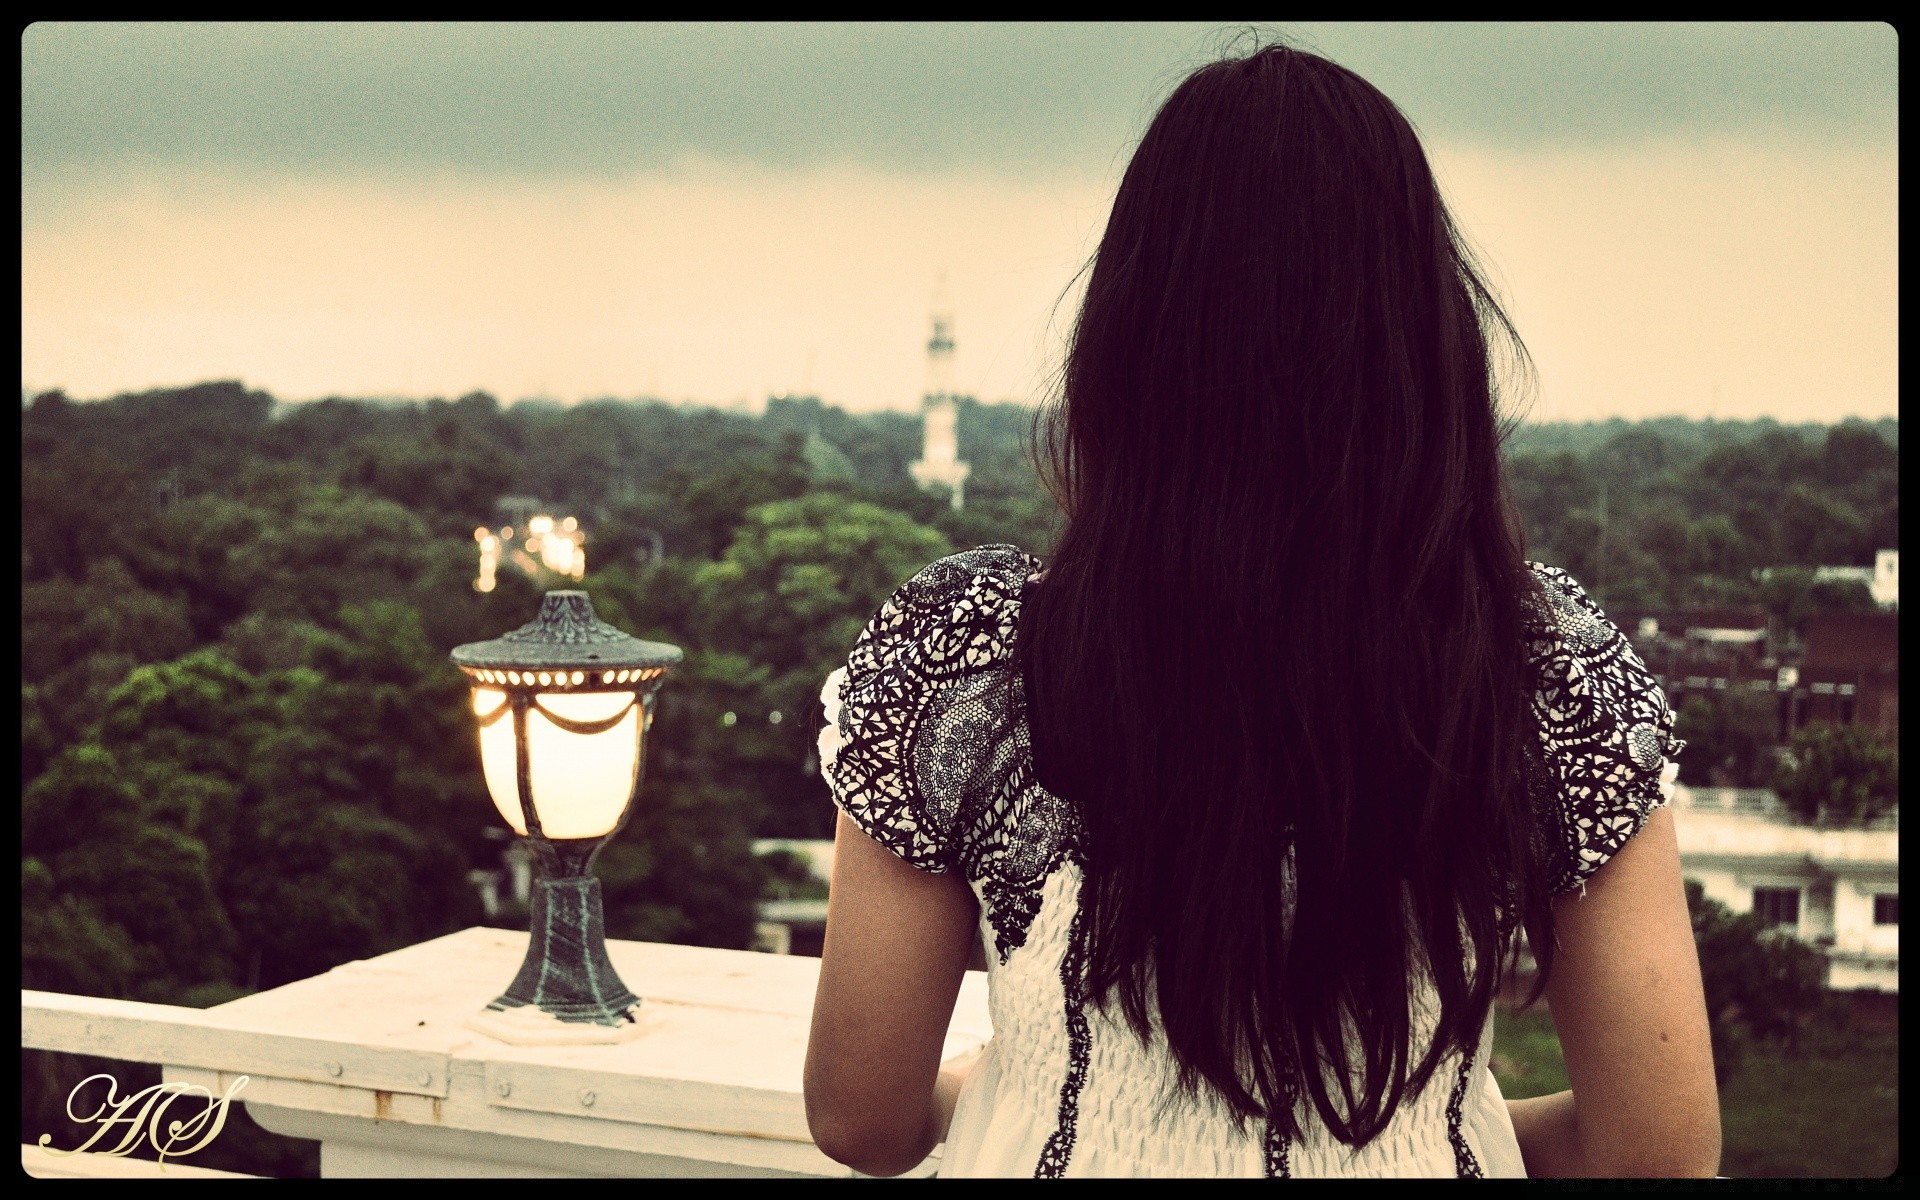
[334,1069]
[587,1097]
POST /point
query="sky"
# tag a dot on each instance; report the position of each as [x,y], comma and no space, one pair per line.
[1681,218]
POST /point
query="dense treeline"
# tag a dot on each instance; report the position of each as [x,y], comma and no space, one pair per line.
[1672,513]
[236,616]
[234,633]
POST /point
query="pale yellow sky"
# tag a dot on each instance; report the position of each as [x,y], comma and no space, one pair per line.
[1643,279]
[1695,219]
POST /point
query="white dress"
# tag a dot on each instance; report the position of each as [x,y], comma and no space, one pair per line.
[926,748]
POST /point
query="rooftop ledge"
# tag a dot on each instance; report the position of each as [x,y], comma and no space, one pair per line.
[373,1060]
[1747,838]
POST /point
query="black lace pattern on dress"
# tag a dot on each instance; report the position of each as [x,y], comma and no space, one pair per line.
[1277,1164]
[1059,1148]
[1464,1164]
[1278,1153]
[1605,732]
[936,760]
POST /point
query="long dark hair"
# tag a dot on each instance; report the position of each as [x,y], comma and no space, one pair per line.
[1278,661]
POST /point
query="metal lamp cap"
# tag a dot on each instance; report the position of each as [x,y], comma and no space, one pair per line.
[565,636]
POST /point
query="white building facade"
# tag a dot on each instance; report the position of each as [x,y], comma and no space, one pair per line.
[1838,890]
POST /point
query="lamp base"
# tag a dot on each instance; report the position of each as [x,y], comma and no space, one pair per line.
[527,1025]
[567,991]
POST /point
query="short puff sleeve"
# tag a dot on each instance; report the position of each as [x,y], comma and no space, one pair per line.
[896,752]
[1605,733]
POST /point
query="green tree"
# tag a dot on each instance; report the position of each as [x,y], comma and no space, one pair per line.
[1815,526]
[327,815]
[802,576]
[1729,735]
[114,901]
[1761,983]
[1839,774]
[776,615]
[1548,489]
[449,476]
[718,503]
[1718,547]
[1032,523]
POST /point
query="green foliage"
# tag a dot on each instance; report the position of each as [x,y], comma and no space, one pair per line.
[111,899]
[778,613]
[1527,1060]
[445,476]
[802,576]
[209,804]
[1762,984]
[1791,595]
[684,868]
[716,504]
[1729,737]
[1839,774]
[1828,1110]
[1678,513]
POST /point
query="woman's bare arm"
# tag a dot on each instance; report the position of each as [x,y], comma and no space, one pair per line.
[897,945]
[1626,999]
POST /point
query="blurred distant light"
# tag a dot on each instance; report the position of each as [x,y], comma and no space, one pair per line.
[540,525]
[489,559]
[773,718]
[570,524]
[728,719]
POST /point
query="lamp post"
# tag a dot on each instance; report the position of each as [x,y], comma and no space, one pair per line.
[564,703]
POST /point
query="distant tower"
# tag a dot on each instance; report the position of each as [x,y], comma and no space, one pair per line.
[939,461]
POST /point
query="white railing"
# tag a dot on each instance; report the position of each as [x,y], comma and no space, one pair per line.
[374,1061]
[1765,804]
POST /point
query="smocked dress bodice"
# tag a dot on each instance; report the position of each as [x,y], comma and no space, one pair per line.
[928,750]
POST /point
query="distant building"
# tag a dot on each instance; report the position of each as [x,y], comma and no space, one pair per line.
[1838,890]
[1719,634]
[1851,671]
[939,462]
[1848,671]
[799,926]
[795,926]
[1882,579]
[1704,651]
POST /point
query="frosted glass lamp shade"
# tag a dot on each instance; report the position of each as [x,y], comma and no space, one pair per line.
[563,704]
[581,782]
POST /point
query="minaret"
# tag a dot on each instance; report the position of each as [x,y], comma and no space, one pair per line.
[939,461]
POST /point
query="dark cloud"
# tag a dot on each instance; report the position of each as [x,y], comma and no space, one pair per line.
[596,100]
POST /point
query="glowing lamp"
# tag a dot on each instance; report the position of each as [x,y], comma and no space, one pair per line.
[563,704]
